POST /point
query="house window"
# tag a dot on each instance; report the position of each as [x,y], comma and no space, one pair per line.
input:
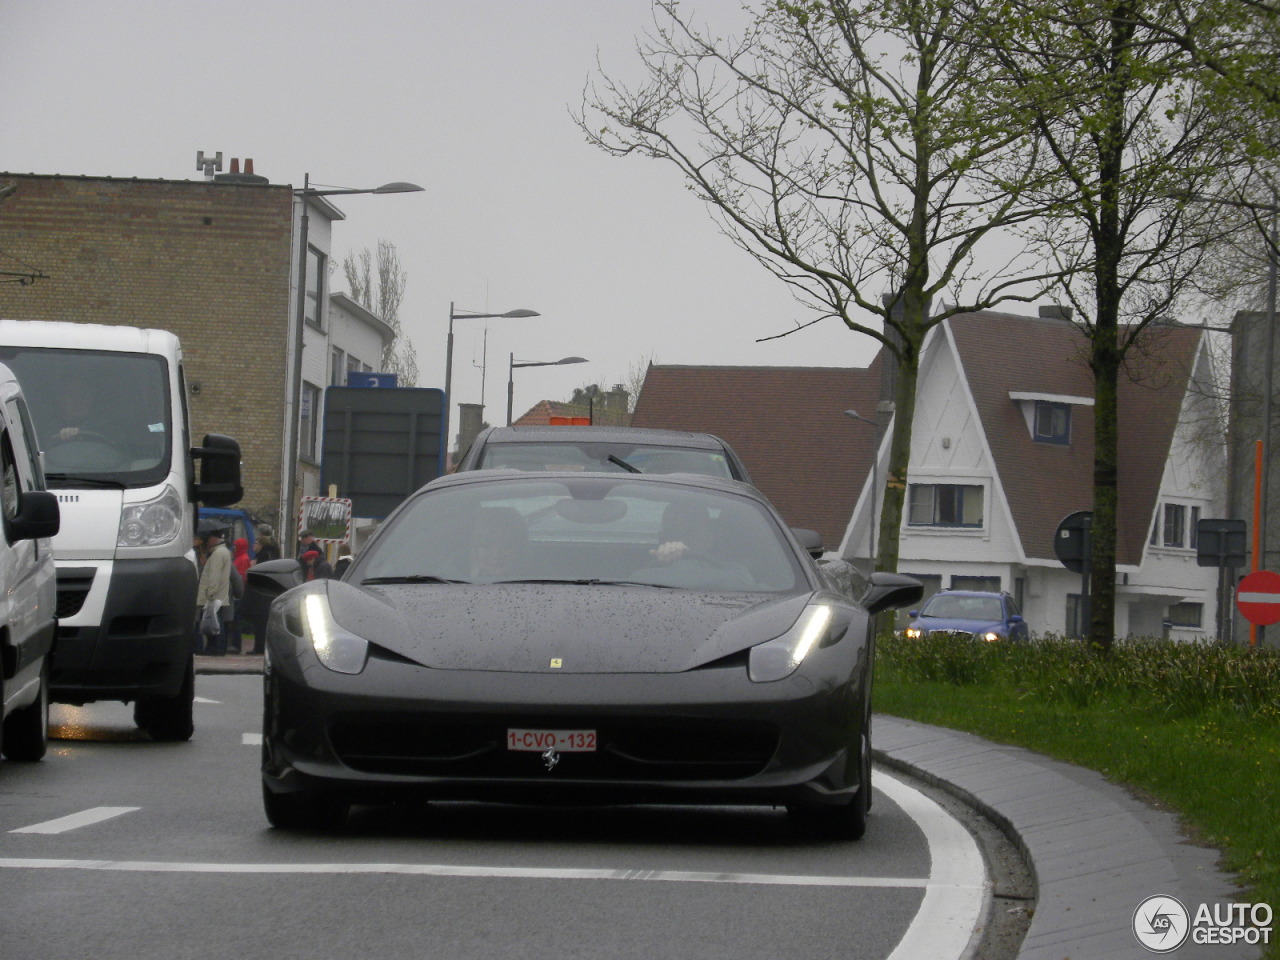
[1175,524]
[1186,615]
[1193,531]
[337,367]
[307,421]
[945,505]
[316,269]
[981,584]
[1053,422]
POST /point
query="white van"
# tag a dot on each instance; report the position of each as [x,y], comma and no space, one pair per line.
[29,517]
[109,408]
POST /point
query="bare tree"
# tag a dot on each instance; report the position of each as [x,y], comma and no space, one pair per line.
[856,150]
[382,291]
[1144,146]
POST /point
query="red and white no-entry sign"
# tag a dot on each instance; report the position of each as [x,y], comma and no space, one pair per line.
[1258,597]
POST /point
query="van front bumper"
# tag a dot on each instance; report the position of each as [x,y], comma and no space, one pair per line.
[141,631]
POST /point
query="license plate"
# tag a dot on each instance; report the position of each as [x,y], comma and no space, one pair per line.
[562,741]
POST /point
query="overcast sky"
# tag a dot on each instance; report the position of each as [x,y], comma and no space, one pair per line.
[471,100]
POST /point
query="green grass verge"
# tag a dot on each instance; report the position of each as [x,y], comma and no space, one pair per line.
[1195,729]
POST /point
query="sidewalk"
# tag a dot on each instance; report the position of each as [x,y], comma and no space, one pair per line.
[1095,851]
[231,663]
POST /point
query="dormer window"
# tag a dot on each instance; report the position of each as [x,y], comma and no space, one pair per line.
[1048,415]
[1053,422]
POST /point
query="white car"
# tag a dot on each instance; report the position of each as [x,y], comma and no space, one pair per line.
[28,591]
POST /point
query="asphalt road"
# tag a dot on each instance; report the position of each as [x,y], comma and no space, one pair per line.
[116,847]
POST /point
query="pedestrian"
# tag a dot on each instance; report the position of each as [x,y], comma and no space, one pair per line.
[315,564]
[344,560]
[213,595]
[306,541]
[266,547]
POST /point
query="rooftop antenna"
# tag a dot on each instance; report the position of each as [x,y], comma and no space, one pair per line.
[210,165]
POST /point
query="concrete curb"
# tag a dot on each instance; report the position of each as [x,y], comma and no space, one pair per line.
[1095,851]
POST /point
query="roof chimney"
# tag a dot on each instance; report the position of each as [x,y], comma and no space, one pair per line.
[1056,311]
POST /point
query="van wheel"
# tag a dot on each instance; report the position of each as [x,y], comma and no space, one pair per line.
[26,731]
[170,719]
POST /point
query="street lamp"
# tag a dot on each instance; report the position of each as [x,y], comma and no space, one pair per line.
[875,455]
[511,386]
[448,357]
[300,323]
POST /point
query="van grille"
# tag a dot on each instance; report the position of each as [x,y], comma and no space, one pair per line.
[73,587]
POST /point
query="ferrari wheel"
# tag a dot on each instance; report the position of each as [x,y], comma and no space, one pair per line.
[845,821]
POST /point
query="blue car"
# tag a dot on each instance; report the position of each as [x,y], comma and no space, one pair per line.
[987,616]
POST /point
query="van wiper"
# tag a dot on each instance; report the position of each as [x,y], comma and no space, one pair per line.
[75,480]
[615,459]
[412,578]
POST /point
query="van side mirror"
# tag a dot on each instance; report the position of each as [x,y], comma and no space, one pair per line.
[891,591]
[219,483]
[38,516]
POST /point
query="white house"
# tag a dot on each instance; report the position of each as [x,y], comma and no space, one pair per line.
[1002,452]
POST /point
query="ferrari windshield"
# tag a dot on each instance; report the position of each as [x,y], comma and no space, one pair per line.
[99,416]
[589,529]
[947,607]
[604,457]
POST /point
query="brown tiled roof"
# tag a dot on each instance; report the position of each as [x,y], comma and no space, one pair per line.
[540,414]
[786,423]
[1045,482]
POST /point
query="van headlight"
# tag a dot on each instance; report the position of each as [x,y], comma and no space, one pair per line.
[780,657]
[151,523]
[338,649]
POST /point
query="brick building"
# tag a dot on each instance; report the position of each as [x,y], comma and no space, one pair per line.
[208,260]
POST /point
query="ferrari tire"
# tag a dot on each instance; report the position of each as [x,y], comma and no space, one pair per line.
[26,731]
[845,821]
[303,810]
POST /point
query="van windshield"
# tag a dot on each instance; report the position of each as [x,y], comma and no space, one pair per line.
[99,416]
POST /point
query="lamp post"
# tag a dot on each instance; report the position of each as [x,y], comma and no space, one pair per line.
[875,455]
[448,356]
[300,323]
[511,385]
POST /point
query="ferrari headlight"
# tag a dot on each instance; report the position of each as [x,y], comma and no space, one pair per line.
[913,633]
[780,657]
[152,523]
[338,649]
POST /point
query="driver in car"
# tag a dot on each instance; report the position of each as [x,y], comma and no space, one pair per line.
[77,407]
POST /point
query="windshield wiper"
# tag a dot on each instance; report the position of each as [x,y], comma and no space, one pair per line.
[412,578]
[615,459]
[74,480]
[593,582]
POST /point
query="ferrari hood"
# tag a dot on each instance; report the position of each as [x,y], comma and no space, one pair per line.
[581,628]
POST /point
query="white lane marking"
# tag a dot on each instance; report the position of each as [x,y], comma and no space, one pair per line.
[455,870]
[206,700]
[251,739]
[76,820]
[957,894]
